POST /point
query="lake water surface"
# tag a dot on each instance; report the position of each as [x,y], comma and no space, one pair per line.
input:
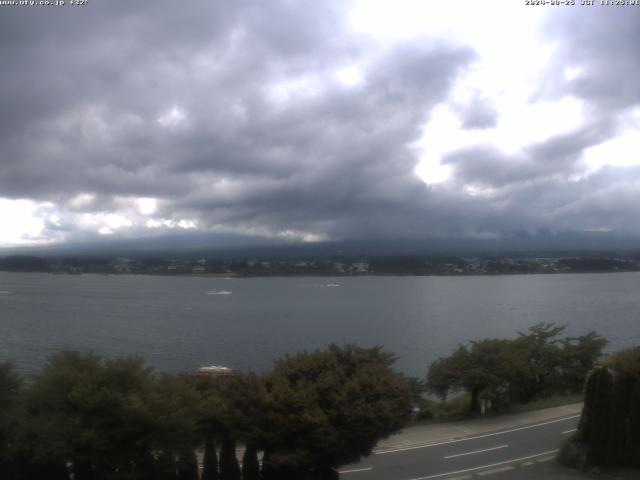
[181,323]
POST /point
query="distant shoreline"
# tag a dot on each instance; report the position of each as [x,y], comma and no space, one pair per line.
[337,266]
[320,275]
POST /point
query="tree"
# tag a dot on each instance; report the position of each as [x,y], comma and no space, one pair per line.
[210,460]
[231,409]
[608,433]
[106,418]
[250,465]
[543,352]
[579,357]
[10,387]
[328,408]
[229,468]
[187,465]
[486,369]
[535,363]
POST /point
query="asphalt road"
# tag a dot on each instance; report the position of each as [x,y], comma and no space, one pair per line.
[482,454]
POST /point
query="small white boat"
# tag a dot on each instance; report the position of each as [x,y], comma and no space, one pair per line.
[215,370]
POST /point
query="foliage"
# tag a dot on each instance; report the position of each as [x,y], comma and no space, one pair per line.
[580,354]
[485,370]
[106,418]
[210,460]
[187,465]
[609,429]
[329,408]
[535,364]
[229,468]
[250,465]
[85,417]
[10,386]
[542,355]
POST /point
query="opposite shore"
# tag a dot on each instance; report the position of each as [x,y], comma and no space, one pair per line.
[324,266]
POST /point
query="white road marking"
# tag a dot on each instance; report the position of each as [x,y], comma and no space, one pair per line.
[427,445]
[485,466]
[496,470]
[355,470]
[476,451]
[545,459]
[569,431]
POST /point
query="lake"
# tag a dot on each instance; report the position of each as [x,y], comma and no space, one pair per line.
[182,323]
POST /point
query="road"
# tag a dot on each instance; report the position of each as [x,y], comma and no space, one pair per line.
[481,454]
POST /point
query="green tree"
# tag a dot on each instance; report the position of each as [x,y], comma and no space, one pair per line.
[187,465]
[10,387]
[328,408]
[534,364]
[210,460]
[229,467]
[486,369]
[608,430]
[250,465]
[579,356]
[594,423]
[107,418]
[230,409]
[542,350]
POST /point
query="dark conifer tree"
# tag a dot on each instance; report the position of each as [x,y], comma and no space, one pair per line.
[30,469]
[210,461]
[188,466]
[268,471]
[250,465]
[165,467]
[229,468]
[599,389]
[633,451]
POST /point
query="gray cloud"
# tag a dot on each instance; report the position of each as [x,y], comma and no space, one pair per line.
[270,140]
[596,58]
[478,114]
[264,138]
[558,156]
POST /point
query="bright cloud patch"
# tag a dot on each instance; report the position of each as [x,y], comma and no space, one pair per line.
[147,206]
[22,222]
[172,118]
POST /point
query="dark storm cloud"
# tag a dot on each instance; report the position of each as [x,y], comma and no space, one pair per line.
[597,57]
[557,156]
[262,136]
[232,114]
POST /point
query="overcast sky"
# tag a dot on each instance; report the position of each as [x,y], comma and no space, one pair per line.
[321,120]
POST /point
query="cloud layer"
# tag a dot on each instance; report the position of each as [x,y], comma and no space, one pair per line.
[281,120]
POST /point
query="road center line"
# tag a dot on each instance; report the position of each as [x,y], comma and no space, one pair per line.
[466,439]
[485,466]
[355,470]
[569,431]
[476,451]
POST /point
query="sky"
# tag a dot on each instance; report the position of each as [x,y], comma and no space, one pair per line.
[315,121]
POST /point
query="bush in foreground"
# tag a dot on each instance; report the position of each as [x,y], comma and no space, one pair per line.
[89,418]
[609,429]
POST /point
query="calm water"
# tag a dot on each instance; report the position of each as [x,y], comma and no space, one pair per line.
[181,323]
